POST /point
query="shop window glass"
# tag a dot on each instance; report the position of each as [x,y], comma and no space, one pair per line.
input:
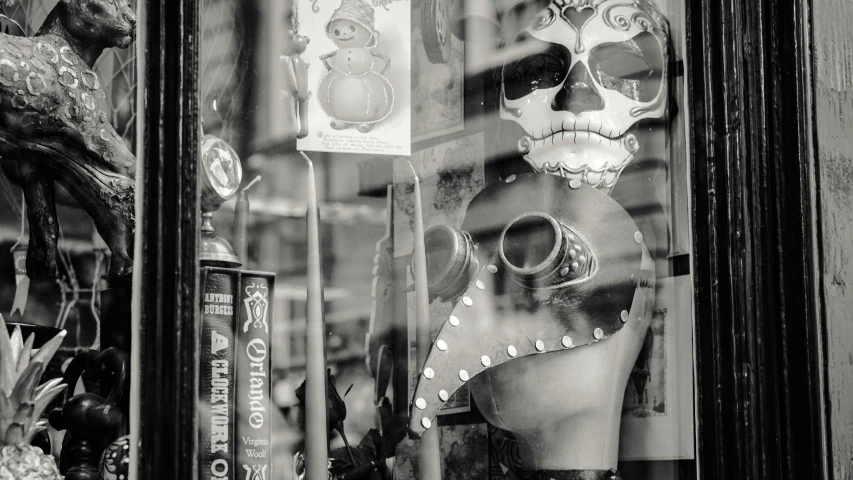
[68,143]
[526,159]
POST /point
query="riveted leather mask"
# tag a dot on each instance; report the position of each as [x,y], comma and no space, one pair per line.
[541,264]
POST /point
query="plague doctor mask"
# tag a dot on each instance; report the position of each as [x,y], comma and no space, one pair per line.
[543,266]
[579,79]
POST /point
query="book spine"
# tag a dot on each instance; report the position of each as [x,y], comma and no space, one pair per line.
[216,382]
[252,381]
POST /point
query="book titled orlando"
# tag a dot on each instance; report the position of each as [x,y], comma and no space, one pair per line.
[216,391]
[252,382]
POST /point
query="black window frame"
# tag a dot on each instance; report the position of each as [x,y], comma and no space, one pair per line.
[758,330]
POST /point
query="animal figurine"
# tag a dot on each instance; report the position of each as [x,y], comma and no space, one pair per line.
[90,421]
[352,92]
[53,125]
[295,90]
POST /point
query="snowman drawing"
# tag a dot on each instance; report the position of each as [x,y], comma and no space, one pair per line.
[353,92]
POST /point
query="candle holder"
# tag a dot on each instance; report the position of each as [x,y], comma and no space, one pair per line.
[221,173]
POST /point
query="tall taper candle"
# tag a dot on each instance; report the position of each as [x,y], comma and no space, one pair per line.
[316,421]
[429,466]
[241,223]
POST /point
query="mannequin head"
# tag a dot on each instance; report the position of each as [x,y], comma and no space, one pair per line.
[552,301]
[564,408]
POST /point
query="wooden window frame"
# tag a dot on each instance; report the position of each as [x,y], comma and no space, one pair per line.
[760,396]
[758,328]
[169,222]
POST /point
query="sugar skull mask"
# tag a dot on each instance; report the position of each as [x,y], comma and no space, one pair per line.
[592,70]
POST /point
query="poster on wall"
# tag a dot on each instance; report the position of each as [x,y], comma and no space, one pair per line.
[359,75]
[657,410]
[437,88]
[457,462]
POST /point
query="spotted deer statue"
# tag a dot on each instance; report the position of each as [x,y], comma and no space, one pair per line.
[54,127]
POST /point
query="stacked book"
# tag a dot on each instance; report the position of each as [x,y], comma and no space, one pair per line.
[234,385]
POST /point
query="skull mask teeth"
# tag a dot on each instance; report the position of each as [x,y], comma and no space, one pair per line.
[578,78]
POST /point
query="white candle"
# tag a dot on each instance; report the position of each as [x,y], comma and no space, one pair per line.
[316,427]
[429,467]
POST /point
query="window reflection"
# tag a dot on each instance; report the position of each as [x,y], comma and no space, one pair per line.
[587,100]
[67,177]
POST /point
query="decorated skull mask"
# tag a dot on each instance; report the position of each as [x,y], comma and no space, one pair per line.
[589,72]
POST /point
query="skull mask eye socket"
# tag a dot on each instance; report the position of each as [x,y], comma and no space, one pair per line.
[633,68]
[546,67]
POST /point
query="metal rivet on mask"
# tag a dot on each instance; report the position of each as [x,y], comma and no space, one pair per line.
[573,253]
[443,395]
[480,284]
[540,345]
[582,259]
[454,320]
[492,269]
[567,341]
[511,351]
[571,237]
[624,316]
[575,266]
[463,375]
[598,334]
[564,271]
[429,373]
[578,248]
[426,423]
[575,184]
[485,360]
[510,179]
[441,344]
[467,301]
[420,403]
[638,237]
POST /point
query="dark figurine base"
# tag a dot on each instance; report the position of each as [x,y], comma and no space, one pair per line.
[91,422]
[80,457]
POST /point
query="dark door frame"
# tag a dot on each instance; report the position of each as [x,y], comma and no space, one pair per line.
[758,329]
[758,326]
[169,263]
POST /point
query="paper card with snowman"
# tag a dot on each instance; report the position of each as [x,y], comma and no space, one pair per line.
[359,55]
